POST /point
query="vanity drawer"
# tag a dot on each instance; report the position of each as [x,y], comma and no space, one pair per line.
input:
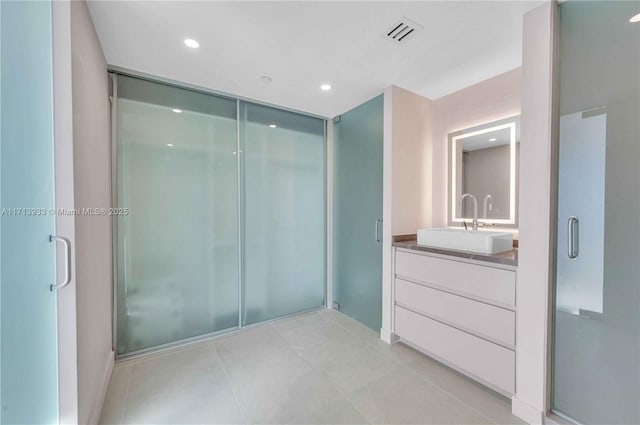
[490,283]
[483,319]
[491,363]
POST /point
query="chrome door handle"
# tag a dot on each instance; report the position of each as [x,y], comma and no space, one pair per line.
[67,262]
[573,237]
[377,231]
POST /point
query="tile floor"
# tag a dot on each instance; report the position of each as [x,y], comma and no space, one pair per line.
[317,368]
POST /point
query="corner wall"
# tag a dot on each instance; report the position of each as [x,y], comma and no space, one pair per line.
[92,187]
[538,134]
[407,185]
[493,99]
[411,167]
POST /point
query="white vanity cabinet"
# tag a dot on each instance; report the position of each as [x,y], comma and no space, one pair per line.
[459,311]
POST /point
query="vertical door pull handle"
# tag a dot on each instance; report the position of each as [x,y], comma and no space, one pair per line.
[67,262]
[377,230]
[573,237]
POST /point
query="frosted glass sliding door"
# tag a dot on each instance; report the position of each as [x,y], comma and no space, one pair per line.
[221,218]
[283,212]
[357,252]
[596,361]
[178,232]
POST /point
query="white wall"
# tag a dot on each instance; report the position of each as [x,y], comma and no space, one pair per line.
[92,186]
[65,224]
[411,132]
[537,138]
[406,178]
[489,100]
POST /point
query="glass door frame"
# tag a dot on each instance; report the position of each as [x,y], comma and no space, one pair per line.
[113,72]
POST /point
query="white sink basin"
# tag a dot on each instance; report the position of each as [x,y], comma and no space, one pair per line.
[466,240]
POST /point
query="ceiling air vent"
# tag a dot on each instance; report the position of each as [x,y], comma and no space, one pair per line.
[403,30]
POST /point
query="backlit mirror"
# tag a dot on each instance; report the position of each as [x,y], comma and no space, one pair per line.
[483,161]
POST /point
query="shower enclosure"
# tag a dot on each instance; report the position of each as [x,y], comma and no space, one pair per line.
[596,351]
[220,213]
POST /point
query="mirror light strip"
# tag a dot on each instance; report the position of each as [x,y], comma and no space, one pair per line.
[512,172]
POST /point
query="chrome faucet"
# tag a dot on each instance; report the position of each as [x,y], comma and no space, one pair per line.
[484,206]
[475,209]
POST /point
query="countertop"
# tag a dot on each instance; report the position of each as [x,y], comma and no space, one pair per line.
[509,258]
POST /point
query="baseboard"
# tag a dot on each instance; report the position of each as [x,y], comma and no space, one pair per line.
[526,412]
[98,403]
[388,336]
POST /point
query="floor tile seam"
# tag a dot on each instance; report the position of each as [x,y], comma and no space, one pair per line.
[340,391]
[313,368]
[360,411]
[445,391]
[344,393]
[126,395]
[345,398]
[297,352]
[324,374]
[236,399]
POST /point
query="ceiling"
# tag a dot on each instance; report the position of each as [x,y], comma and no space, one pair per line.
[303,44]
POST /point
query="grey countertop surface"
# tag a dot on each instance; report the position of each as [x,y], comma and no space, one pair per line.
[509,258]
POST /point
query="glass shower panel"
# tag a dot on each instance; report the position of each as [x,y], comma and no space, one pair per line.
[178,240]
[357,191]
[284,212]
[596,363]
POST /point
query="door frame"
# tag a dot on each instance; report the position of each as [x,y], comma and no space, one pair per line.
[64,199]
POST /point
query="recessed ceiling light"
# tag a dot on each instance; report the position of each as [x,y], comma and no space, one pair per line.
[635,18]
[177,111]
[190,42]
[272,125]
[170,145]
[493,139]
[325,87]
